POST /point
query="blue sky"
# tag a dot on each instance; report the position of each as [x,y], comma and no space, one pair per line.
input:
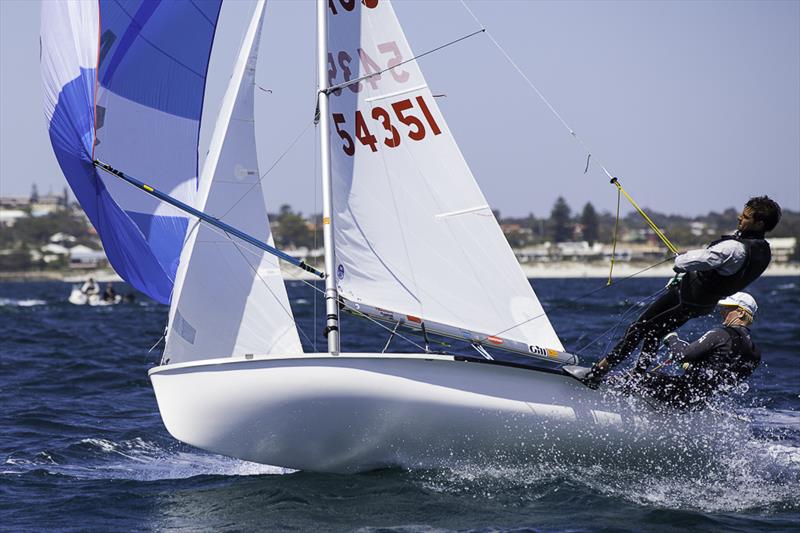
[694,105]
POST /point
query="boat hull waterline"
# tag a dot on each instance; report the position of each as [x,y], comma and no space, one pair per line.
[359,412]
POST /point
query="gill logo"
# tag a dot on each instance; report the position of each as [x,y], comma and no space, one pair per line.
[544,352]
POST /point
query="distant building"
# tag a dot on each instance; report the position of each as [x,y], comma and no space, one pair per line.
[9,217]
[84,257]
[62,238]
[46,204]
[50,253]
[14,202]
[570,251]
[783,248]
[698,228]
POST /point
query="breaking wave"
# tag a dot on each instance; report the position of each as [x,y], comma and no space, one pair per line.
[10,302]
[135,459]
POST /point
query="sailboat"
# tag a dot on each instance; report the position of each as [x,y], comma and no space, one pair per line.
[410,243]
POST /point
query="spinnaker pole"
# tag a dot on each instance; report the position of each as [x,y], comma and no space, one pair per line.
[207,218]
[331,294]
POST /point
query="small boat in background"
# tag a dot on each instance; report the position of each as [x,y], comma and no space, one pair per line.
[77,297]
[89,294]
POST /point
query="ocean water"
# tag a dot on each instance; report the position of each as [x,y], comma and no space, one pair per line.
[82,446]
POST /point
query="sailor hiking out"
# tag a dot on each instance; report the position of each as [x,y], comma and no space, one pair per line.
[716,363]
[703,278]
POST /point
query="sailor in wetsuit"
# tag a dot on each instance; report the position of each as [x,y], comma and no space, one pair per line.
[704,277]
[715,363]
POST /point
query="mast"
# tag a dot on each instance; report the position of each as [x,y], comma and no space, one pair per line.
[331,296]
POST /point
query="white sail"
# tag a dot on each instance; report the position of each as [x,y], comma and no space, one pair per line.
[413,232]
[229,297]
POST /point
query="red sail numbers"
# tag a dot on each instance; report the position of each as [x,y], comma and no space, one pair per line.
[349,5]
[346,62]
[417,119]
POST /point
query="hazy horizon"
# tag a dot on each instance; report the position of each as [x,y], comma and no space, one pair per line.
[694,105]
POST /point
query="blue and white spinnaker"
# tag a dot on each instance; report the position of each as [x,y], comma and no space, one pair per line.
[124,83]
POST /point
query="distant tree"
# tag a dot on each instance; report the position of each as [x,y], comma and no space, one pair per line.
[292,230]
[560,223]
[36,231]
[590,224]
[16,260]
[34,193]
[65,198]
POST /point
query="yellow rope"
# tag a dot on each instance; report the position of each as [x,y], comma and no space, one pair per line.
[614,243]
[652,224]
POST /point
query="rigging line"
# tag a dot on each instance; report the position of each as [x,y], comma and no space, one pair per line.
[573,300]
[571,131]
[652,224]
[536,90]
[362,78]
[322,292]
[614,242]
[391,336]
[359,314]
[153,347]
[622,317]
[269,289]
[264,175]
[208,219]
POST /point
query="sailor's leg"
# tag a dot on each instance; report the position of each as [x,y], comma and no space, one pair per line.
[660,327]
[641,329]
[663,324]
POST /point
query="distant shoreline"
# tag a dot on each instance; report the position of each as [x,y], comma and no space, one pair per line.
[623,270]
[565,270]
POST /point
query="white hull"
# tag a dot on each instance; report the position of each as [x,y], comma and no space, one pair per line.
[359,412]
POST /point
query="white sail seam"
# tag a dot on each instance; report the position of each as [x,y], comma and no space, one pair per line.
[462,211]
[396,93]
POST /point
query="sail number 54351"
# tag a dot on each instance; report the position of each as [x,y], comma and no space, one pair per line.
[404,111]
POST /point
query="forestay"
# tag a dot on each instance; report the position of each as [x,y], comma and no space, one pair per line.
[413,232]
[229,297]
[124,83]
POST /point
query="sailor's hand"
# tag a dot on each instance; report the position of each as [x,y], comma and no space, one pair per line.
[675,280]
[685,366]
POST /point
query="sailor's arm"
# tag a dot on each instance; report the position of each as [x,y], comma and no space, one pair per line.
[698,350]
[726,256]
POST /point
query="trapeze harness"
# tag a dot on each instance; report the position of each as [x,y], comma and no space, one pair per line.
[706,288]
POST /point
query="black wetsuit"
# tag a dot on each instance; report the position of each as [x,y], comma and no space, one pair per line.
[696,295]
[719,360]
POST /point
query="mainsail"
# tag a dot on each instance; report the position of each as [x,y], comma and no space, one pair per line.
[229,297]
[414,234]
[124,82]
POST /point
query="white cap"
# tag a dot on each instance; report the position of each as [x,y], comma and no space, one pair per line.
[741,299]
